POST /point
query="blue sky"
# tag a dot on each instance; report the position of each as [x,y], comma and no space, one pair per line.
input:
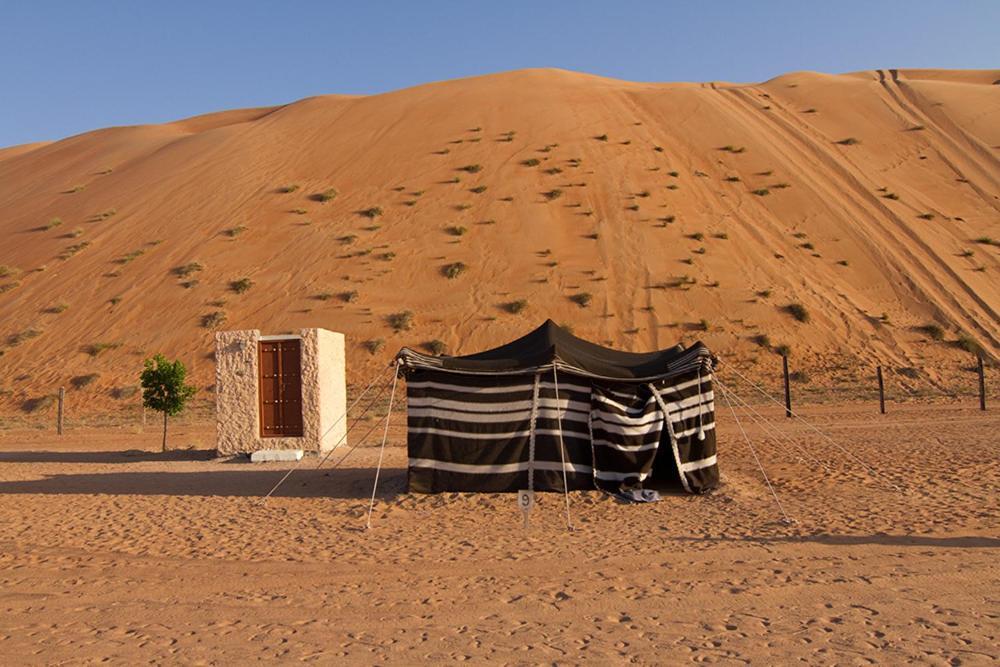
[68,67]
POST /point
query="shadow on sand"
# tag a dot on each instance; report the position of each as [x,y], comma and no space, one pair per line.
[881,539]
[127,456]
[306,482]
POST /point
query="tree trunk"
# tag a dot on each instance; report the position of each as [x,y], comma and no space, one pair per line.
[164,430]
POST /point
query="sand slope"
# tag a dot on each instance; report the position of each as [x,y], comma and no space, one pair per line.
[644,221]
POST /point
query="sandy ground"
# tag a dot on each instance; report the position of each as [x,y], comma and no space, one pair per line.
[110,551]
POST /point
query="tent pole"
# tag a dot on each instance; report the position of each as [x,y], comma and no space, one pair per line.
[562,446]
[288,474]
[385,435]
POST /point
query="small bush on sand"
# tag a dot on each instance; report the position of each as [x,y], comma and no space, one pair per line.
[401,321]
[479,189]
[233,232]
[581,299]
[213,320]
[926,216]
[186,270]
[436,347]
[733,149]
[798,311]
[288,189]
[552,194]
[349,296]
[453,270]
[849,141]
[327,195]
[763,340]
[53,223]
[374,345]
[601,137]
[932,331]
[761,192]
[530,162]
[371,213]
[515,307]
[472,168]
[81,381]
[456,230]
[240,285]
[783,350]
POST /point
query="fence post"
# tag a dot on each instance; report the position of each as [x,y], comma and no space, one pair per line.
[881,390]
[59,419]
[788,392]
[982,384]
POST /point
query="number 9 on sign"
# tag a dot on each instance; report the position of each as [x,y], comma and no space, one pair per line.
[525,500]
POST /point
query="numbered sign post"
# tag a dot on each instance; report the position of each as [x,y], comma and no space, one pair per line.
[526,501]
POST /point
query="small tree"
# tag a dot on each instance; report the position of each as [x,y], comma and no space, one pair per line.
[163,388]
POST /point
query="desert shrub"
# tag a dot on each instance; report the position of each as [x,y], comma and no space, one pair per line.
[240,285]
[697,236]
[843,262]
[552,194]
[601,137]
[667,219]
[348,239]
[985,240]
[673,174]
[530,162]
[632,207]
[456,230]
[763,340]
[453,270]
[7,271]
[702,325]
[932,331]
[233,232]
[472,168]
[288,189]
[53,223]
[436,347]
[799,376]
[327,195]
[96,349]
[186,270]
[81,381]
[732,179]
[18,338]
[807,246]
[968,343]
[552,171]
[798,311]
[781,186]
[56,309]
[213,319]
[720,235]
[371,212]
[374,345]
[323,296]
[75,189]
[105,215]
[581,299]
[810,110]
[39,403]
[9,286]
[120,393]
[479,189]
[849,141]
[671,187]
[926,216]
[515,307]
[401,321]
[733,149]
[74,249]
[463,207]
[386,256]
[130,257]
[890,195]
[349,296]
[783,350]
[658,149]
[761,192]
[299,211]
[643,194]
[115,300]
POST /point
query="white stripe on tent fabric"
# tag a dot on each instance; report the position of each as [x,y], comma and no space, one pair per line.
[495,408]
[495,417]
[520,466]
[626,448]
[505,389]
[699,464]
[646,429]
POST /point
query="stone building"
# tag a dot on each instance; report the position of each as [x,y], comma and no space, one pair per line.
[284,393]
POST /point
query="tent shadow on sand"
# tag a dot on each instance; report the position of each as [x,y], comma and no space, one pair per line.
[346,483]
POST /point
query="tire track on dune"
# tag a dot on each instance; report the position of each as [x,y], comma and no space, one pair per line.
[909,103]
[829,171]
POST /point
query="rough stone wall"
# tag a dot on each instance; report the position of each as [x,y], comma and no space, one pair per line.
[237,401]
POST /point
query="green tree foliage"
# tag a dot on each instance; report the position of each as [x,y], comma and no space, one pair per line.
[163,388]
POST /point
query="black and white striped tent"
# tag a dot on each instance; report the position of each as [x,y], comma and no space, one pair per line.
[550,406]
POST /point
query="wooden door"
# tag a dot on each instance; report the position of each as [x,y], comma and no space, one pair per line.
[280,367]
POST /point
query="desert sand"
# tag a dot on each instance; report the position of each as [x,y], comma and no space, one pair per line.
[687,210]
[111,551]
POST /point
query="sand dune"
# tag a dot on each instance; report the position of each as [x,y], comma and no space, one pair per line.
[677,206]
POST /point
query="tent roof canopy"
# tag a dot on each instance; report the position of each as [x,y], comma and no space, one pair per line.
[551,344]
